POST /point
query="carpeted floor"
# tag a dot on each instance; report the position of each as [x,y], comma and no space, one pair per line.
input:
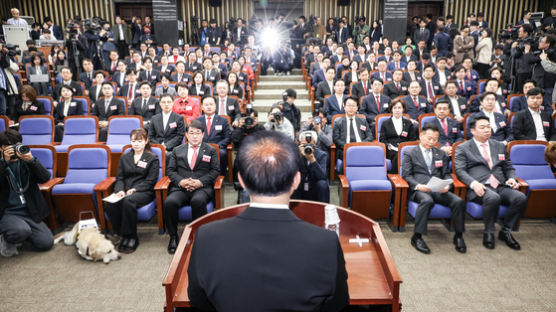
[480,280]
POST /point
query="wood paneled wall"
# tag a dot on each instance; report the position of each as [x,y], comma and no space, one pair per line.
[371,9]
[498,13]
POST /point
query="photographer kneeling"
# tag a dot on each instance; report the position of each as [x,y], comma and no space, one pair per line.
[312,166]
[277,122]
[22,207]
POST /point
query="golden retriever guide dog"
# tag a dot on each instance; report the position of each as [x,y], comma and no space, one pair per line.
[90,243]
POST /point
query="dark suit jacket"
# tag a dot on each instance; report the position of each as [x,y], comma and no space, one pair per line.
[117,80]
[388,76]
[436,88]
[317,77]
[415,170]
[471,166]
[220,132]
[242,39]
[323,90]
[339,132]
[357,91]
[476,104]
[470,89]
[348,80]
[125,90]
[370,109]
[407,78]
[83,77]
[415,112]
[115,107]
[392,92]
[206,167]
[184,77]
[418,36]
[36,108]
[305,263]
[93,92]
[213,76]
[172,135]
[204,91]
[193,67]
[75,109]
[524,126]
[33,173]
[232,108]
[388,134]
[141,176]
[454,134]
[392,66]
[462,103]
[77,90]
[153,78]
[332,107]
[136,108]
[503,132]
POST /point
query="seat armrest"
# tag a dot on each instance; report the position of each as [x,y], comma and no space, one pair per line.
[54,143]
[162,184]
[457,182]
[460,189]
[522,185]
[343,181]
[398,181]
[332,161]
[229,147]
[343,191]
[219,182]
[48,185]
[105,184]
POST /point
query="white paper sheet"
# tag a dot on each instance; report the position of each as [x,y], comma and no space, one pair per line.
[436,184]
[113,198]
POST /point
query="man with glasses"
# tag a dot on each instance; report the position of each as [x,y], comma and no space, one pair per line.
[192,168]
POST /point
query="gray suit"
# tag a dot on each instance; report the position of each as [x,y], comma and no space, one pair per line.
[415,171]
[471,166]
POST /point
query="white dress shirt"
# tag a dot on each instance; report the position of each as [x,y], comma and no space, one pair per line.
[165,118]
[190,153]
[455,106]
[268,206]
[492,120]
[398,124]
[538,125]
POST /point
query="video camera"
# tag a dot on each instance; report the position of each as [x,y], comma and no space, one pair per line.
[93,25]
[276,117]
[12,49]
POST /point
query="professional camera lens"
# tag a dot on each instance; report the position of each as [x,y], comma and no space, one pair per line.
[248,121]
[308,150]
[277,116]
[21,149]
[317,120]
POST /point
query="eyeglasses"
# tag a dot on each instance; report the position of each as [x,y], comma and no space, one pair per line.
[197,133]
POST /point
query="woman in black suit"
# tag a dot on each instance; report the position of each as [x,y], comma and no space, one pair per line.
[64,108]
[137,175]
[351,76]
[26,104]
[234,87]
[198,86]
[396,130]
[38,68]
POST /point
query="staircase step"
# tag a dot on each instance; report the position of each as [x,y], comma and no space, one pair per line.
[274,94]
[281,84]
[263,117]
[264,105]
[281,78]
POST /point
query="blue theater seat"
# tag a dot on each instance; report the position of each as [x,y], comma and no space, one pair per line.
[119,128]
[36,129]
[78,130]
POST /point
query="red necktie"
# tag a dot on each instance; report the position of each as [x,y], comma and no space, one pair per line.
[445,126]
[415,102]
[209,125]
[397,65]
[364,87]
[113,66]
[378,103]
[383,77]
[462,86]
[398,86]
[492,179]
[429,89]
[194,158]
[468,75]
[130,92]
[175,58]
[222,108]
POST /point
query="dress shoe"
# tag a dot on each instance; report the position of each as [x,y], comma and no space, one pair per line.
[123,245]
[420,245]
[507,237]
[131,246]
[488,240]
[460,244]
[173,244]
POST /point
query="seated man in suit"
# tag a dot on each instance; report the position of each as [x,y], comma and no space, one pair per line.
[192,169]
[334,104]
[362,87]
[180,74]
[166,128]
[95,91]
[397,63]
[501,130]
[420,164]
[146,105]
[484,166]
[492,85]
[305,263]
[520,103]
[149,74]
[429,87]
[382,73]
[131,89]
[66,80]
[466,88]
[532,123]
[217,130]
[325,87]
[87,76]
[458,105]
[226,105]
[449,128]
[106,108]
[415,103]
[312,166]
[375,103]
[319,74]
[397,86]
[350,128]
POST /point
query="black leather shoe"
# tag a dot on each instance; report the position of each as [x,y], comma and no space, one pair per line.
[509,239]
[460,244]
[132,245]
[173,244]
[488,240]
[123,245]
[420,245]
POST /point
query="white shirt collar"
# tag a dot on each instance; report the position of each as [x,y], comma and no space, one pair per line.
[533,112]
[268,206]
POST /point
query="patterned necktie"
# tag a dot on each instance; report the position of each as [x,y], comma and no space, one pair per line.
[445,126]
[492,179]
[194,157]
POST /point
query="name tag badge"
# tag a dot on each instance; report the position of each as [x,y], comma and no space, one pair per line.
[436,87]
[218,127]
[33,107]
[469,88]
[151,106]
[231,107]
[306,186]
[546,124]
[404,134]
[72,104]
[423,104]
[113,107]
[503,104]
[404,88]
[153,77]
[201,92]
[385,105]
[142,164]
[502,124]
[249,106]
[541,108]
[454,130]
[501,157]
[438,163]
[206,158]
[188,108]
[172,125]
[463,106]
[474,77]
[363,128]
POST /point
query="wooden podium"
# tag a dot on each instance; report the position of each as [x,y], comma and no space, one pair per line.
[373,278]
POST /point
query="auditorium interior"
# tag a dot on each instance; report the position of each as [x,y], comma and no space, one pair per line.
[272,63]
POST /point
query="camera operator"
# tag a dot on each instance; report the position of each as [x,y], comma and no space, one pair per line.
[76,45]
[548,63]
[248,124]
[545,79]
[22,206]
[319,124]
[521,53]
[277,122]
[312,166]
[214,33]
[107,41]
[290,111]
[361,30]
[9,87]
